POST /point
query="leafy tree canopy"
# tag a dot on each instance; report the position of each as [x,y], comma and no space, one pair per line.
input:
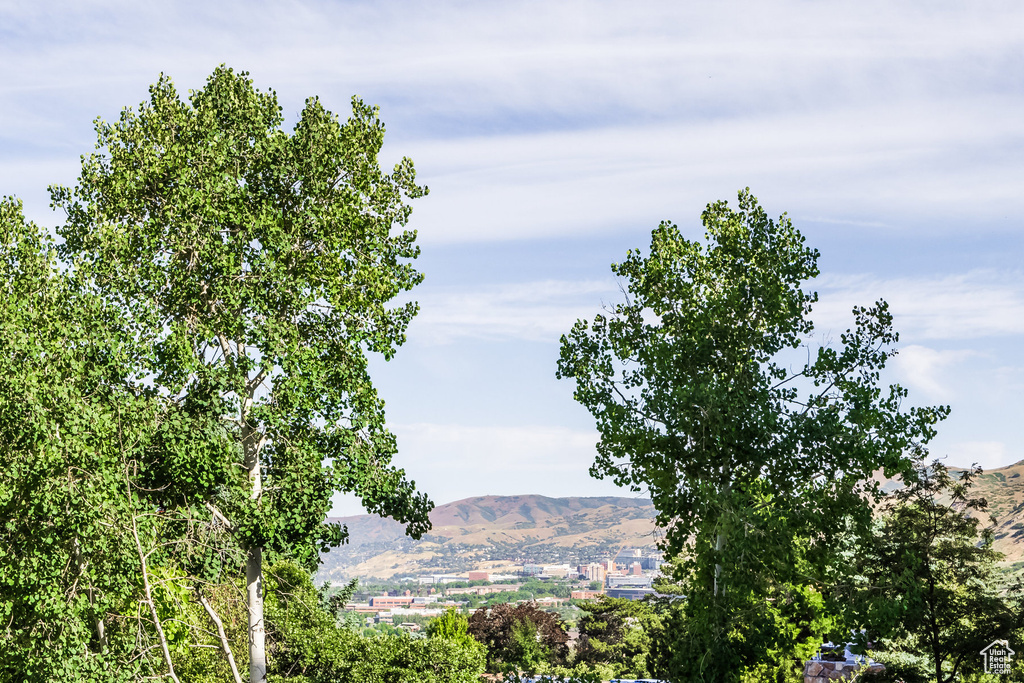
[928,577]
[752,450]
[519,636]
[69,430]
[255,268]
[619,633]
[188,369]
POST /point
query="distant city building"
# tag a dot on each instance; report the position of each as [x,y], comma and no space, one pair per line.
[387,601]
[361,607]
[479,576]
[421,607]
[549,602]
[630,593]
[585,595]
[592,572]
[421,610]
[483,590]
[649,562]
[652,563]
[630,580]
[437,579]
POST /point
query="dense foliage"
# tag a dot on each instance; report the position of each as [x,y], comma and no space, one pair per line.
[306,645]
[519,637]
[69,519]
[928,585]
[186,388]
[620,634]
[752,454]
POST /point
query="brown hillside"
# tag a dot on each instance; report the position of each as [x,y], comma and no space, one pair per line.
[475,531]
[1003,490]
[499,530]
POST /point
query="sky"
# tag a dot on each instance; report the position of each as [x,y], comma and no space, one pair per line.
[554,136]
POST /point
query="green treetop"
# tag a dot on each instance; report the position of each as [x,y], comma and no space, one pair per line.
[928,577]
[254,268]
[748,460]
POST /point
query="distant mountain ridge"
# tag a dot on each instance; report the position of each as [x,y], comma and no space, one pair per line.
[1003,490]
[489,529]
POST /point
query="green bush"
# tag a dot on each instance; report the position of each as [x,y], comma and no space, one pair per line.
[308,647]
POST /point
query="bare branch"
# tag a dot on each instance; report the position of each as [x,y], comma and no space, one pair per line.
[219,516]
[152,606]
[225,346]
[225,647]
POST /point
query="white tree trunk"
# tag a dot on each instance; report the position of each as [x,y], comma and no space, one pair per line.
[257,633]
[252,444]
[720,544]
[161,637]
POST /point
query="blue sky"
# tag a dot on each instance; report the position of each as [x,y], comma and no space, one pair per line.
[555,135]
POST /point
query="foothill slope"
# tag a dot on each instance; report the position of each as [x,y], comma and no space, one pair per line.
[496,531]
[502,530]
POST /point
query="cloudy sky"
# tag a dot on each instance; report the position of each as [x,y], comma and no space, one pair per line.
[555,135]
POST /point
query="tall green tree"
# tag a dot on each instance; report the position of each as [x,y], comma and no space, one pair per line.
[519,637]
[929,578]
[253,269]
[450,625]
[619,633]
[70,594]
[751,449]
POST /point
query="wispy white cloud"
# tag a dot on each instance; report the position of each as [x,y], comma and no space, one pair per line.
[539,311]
[531,119]
[976,304]
[532,52]
[923,369]
[972,305]
[452,461]
[493,450]
[905,163]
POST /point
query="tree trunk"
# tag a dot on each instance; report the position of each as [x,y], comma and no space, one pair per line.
[719,546]
[257,633]
[161,637]
[254,562]
[720,542]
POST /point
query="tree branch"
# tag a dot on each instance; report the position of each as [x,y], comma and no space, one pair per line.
[225,647]
[220,516]
[255,382]
[225,347]
[152,606]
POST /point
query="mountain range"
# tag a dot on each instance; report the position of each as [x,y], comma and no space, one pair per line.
[494,532]
[502,531]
